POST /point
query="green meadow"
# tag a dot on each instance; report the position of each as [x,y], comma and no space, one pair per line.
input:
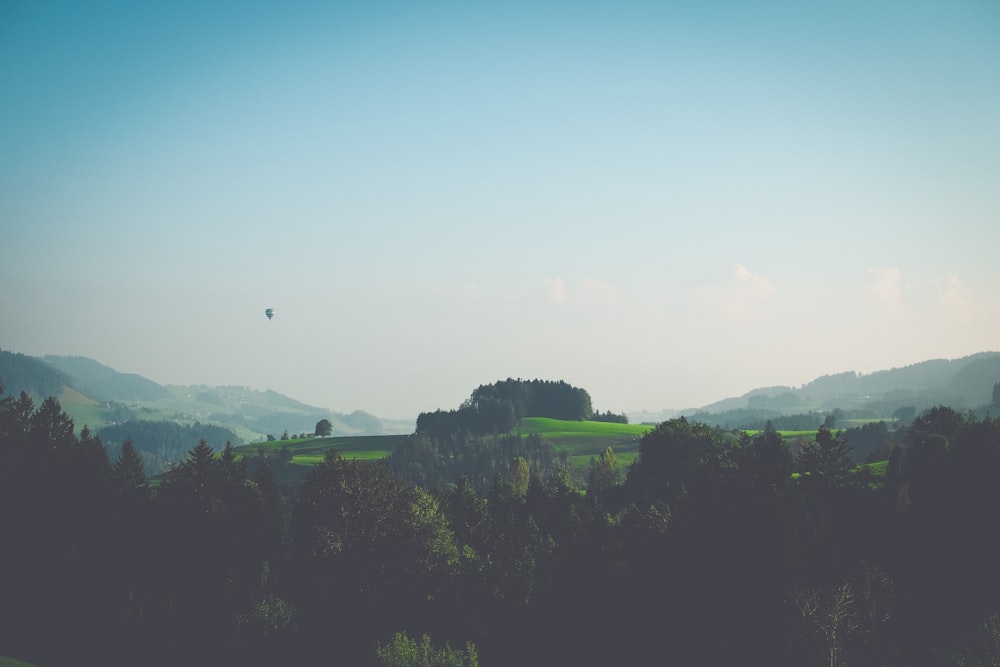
[310,451]
[582,440]
[808,434]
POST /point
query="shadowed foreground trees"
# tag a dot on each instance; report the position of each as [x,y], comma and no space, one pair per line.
[709,552]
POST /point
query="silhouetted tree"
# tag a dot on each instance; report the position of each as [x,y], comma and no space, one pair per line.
[323,427]
[670,457]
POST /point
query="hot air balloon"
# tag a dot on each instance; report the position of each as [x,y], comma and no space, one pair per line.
[269,312]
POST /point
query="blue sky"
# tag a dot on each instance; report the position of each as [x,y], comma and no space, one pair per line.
[664,203]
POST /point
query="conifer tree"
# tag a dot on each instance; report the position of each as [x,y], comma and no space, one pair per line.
[128,470]
[827,458]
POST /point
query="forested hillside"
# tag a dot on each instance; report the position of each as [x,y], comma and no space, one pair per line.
[713,548]
[20,372]
[104,383]
[163,444]
[99,396]
[962,383]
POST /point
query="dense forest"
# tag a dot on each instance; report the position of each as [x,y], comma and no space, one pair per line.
[709,550]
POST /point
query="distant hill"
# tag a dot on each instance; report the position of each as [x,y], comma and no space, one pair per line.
[162,444]
[965,383]
[104,383]
[39,380]
[99,396]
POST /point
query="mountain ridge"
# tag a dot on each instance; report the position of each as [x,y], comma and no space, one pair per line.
[964,382]
[97,395]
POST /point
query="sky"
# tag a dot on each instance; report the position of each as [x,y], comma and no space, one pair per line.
[664,203]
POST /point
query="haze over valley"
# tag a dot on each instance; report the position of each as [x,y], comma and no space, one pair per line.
[665,203]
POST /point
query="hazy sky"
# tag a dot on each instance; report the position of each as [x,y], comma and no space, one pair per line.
[666,203]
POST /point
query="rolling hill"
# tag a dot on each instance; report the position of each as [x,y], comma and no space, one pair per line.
[96,395]
[965,383]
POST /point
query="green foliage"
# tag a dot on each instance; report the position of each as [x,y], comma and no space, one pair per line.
[497,408]
[713,533]
[609,416]
[827,459]
[520,474]
[671,456]
[20,372]
[402,651]
[128,471]
[163,443]
[323,427]
[604,472]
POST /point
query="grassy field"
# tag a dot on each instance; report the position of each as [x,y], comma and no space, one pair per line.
[808,434]
[84,411]
[310,451]
[582,440]
[878,468]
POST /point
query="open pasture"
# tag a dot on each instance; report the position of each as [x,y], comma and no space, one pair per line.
[808,434]
[585,437]
[580,439]
[310,451]
[584,440]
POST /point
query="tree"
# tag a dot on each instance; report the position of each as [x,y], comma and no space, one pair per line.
[827,458]
[367,546]
[402,651]
[50,431]
[520,474]
[670,457]
[905,413]
[832,620]
[604,472]
[765,462]
[324,428]
[128,470]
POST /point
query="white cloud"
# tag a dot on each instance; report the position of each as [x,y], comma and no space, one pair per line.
[884,287]
[952,294]
[739,295]
[750,285]
[555,288]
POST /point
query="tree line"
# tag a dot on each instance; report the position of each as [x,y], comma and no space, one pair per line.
[712,548]
[499,407]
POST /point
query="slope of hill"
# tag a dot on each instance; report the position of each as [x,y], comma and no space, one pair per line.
[964,383]
[104,383]
[96,395]
[39,380]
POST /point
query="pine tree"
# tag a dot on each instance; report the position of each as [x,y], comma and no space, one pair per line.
[128,470]
[827,458]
